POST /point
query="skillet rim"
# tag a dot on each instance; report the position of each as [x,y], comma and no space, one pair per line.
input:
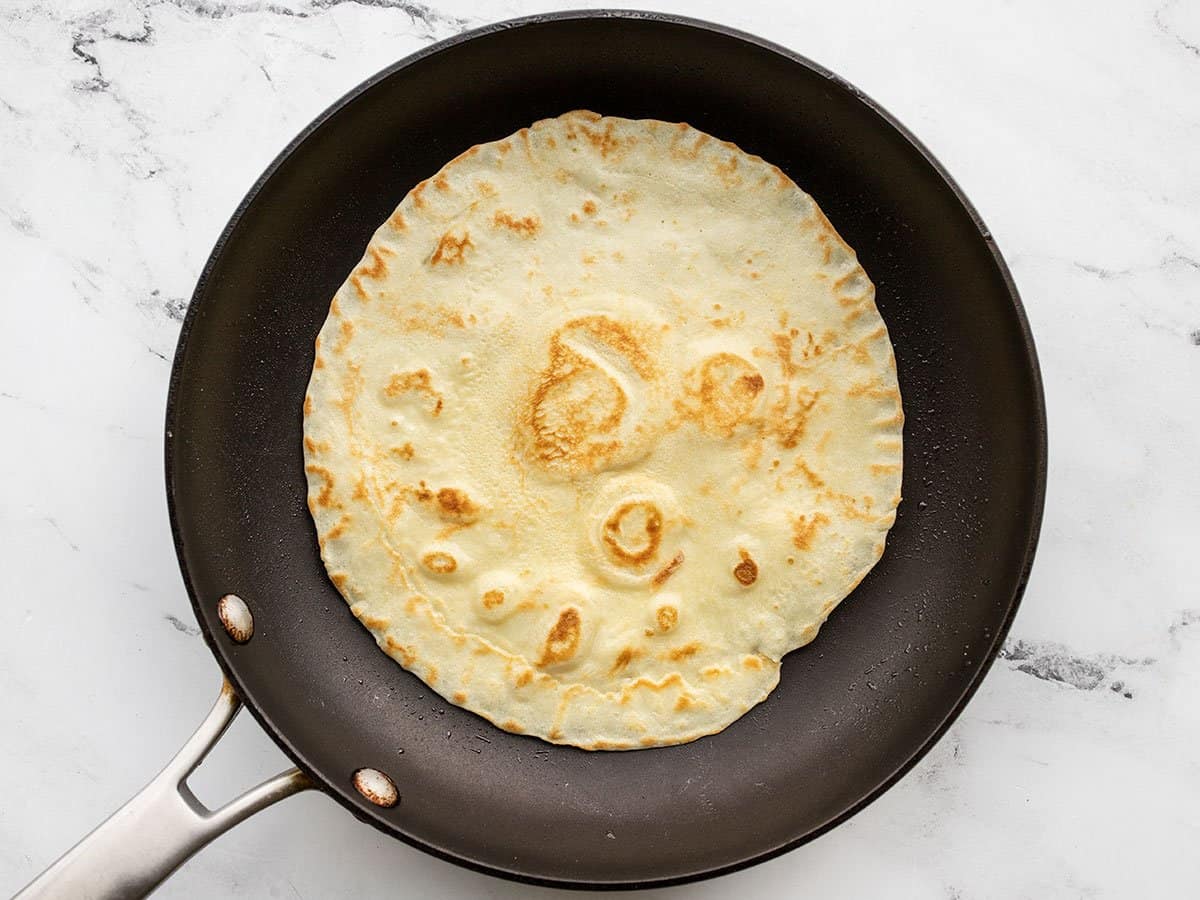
[327,786]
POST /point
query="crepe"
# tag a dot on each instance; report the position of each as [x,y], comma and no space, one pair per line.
[604,423]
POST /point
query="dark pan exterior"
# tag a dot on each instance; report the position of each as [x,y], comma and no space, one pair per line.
[854,710]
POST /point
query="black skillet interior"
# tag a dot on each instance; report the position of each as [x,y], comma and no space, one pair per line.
[854,710]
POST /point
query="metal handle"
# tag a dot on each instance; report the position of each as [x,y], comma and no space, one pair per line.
[147,839]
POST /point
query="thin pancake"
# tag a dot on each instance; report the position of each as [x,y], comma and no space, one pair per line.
[604,424]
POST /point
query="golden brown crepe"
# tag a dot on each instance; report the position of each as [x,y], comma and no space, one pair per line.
[604,424]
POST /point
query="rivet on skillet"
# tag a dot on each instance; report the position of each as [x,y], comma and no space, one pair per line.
[376,787]
[235,616]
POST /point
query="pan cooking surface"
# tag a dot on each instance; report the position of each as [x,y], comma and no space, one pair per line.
[853,710]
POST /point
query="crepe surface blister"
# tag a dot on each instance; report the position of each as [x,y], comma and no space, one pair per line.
[604,424]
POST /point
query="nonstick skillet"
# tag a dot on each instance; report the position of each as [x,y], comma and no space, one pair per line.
[854,710]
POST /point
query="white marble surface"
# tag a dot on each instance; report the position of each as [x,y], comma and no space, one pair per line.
[130,130]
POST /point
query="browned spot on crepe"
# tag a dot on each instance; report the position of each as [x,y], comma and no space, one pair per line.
[563,639]
[746,571]
[451,250]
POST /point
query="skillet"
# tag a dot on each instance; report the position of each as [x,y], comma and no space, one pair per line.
[853,711]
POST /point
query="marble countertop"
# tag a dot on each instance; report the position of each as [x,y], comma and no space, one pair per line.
[130,130]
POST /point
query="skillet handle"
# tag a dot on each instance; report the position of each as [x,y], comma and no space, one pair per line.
[152,835]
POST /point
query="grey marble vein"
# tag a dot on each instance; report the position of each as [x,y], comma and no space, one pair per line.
[432,20]
[1166,29]
[53,523]
[182,626]
[1052,661]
